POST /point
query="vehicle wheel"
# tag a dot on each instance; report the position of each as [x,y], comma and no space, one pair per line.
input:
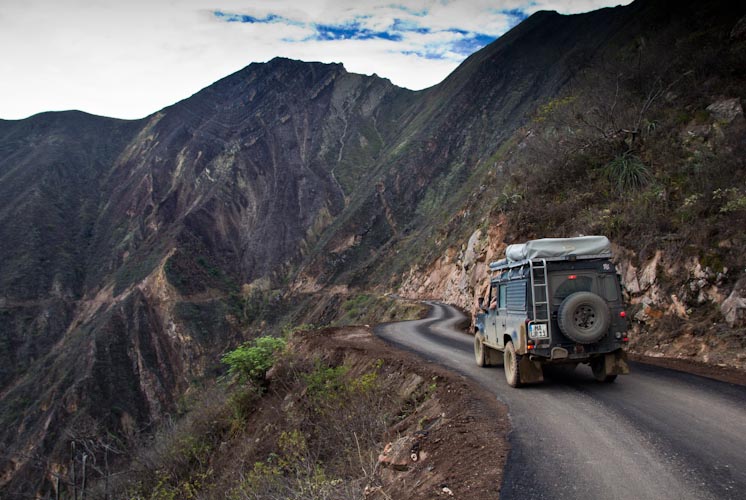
[510,364]
[599,373]
[584,317]
[479,353]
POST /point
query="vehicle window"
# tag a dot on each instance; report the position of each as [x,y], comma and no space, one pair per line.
[516,296]
[503,296]
[569,286]
[609,288]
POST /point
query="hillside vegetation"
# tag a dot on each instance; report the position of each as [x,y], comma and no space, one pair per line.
[337,416]
[646,146]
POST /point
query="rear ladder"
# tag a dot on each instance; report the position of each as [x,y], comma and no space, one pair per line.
[540,290]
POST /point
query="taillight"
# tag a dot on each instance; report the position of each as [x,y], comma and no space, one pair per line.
[622,314]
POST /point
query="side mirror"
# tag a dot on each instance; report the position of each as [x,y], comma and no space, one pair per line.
[481,304]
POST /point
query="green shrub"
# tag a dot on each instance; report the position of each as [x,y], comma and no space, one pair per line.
[250,361]
[326,383]
[731,199]
[289,331]
[627,172]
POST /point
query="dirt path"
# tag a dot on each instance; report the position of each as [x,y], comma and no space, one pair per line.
[656,433]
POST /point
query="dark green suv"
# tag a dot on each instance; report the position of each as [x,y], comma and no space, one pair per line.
[553,301]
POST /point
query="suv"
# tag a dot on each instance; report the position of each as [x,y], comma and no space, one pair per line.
[553,301]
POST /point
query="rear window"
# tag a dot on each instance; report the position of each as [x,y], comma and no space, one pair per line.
[568,286]
[564,285]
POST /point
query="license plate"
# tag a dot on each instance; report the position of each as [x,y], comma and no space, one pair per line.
[538,330]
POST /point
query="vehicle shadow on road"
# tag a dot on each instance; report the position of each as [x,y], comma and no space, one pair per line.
[580,377]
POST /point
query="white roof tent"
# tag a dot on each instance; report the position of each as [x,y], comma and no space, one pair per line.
[555,249]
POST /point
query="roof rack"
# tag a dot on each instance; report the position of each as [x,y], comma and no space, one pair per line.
[500,265]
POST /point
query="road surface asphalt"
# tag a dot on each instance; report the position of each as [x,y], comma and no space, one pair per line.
[653,434]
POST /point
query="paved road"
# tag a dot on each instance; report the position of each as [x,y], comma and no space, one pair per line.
[654,434]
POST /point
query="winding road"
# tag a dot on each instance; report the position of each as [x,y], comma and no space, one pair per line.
[653,434]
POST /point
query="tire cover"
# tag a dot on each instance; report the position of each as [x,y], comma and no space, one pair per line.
[584,317]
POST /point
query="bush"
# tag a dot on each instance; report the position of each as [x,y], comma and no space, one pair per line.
[627,172]
[251,361]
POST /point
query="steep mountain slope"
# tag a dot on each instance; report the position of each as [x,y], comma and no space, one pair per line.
[467,136]
[129,240]
[134,253]
[645,143]
[455,127]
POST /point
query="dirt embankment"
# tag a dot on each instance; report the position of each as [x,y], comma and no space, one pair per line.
[341,415]
[453,443]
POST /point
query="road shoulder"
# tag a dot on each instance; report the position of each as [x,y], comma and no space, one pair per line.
[459,435]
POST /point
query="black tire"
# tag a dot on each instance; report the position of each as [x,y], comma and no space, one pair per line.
[599,373]
[584,317]
[479,351]
[511,365]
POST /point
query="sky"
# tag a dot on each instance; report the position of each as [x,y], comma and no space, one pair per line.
[130,58]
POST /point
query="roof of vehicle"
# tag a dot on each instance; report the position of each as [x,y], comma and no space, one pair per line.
[555,249]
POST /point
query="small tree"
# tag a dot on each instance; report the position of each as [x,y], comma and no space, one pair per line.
[251,361]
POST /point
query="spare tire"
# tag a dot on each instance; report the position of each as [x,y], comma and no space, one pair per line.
[584,317]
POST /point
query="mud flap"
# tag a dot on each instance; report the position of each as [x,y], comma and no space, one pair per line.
[615,363]
[492,356]
[530,371]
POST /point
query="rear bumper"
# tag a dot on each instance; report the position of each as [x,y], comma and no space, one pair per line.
[560,355]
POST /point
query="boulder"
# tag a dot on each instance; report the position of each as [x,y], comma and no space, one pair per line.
[396,455]
[734,307]
[726,110]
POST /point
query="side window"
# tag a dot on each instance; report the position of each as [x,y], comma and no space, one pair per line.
[516,296]
[503,296]
[493,297]
[609,287]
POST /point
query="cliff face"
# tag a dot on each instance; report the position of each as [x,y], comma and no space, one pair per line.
[135,253]
[128,242]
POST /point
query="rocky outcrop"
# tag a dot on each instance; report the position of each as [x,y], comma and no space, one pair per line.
[734,307]
[680,309]
[459,276]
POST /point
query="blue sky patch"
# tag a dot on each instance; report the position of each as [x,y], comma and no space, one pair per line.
[515,15]
[351,31]
[470,44]
[464,43]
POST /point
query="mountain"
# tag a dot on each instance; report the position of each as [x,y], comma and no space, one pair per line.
[127,242]
[136,252]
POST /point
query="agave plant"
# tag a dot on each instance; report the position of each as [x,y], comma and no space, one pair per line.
[627,172]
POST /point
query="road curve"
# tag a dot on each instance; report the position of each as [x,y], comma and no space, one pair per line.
[654,434]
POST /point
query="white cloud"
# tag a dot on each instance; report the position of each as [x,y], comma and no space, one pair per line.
[129,59]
